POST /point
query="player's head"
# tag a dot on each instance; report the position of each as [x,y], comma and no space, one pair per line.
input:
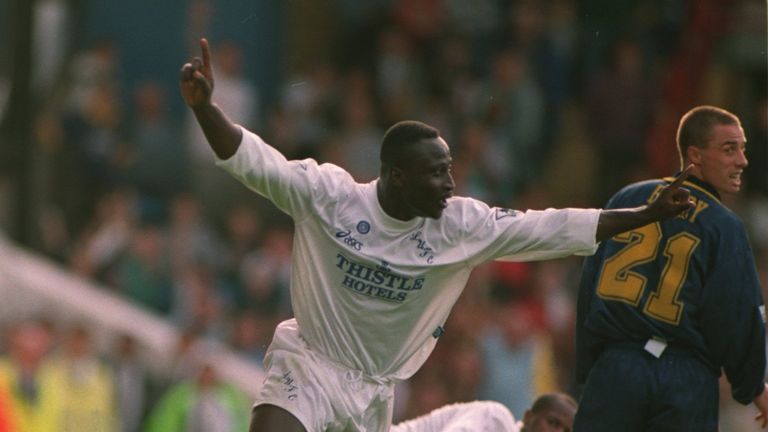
[551,412]
[712,139]
[416,168]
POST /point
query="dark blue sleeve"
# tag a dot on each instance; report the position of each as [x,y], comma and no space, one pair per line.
[732,321]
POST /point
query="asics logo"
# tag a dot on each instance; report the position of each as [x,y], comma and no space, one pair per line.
[349,240]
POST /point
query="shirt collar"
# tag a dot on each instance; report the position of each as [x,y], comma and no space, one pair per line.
[701,184]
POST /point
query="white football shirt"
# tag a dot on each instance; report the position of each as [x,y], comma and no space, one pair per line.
[371,292]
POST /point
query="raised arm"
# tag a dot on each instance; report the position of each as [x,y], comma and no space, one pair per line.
[196,82]
[672,201]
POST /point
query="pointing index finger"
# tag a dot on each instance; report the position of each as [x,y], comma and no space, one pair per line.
[681,178]
[206,52]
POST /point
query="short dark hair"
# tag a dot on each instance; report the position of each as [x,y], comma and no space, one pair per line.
[402,135]
[696,125]
[551,401]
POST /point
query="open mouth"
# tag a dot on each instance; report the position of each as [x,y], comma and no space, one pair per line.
[735,178]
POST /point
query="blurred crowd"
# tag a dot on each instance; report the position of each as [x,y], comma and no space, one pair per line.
[55,380]
[555,103]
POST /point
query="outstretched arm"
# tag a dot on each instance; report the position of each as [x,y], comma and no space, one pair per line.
[196,82]
[672,201]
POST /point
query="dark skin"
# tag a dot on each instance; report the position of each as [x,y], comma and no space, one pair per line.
[557,417]
[418,187]
[270,418]
[413,190]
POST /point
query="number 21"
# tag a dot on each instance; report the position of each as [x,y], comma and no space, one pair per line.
[619,282]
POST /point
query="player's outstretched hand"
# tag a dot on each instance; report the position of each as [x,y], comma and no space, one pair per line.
[196,79]
[761,402]
[673,199]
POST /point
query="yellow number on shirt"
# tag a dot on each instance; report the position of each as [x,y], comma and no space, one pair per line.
[663,304]
[618,281]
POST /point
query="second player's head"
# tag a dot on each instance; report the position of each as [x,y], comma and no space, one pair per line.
[416,168]
[551,412]
[712,139]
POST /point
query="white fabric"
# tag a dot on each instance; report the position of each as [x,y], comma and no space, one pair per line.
[370,291]
[323,395]
[478,416]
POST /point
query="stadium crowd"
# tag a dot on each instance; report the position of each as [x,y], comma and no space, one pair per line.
[543,103]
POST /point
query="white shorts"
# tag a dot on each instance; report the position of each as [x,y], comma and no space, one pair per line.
[323,395]
[478,416]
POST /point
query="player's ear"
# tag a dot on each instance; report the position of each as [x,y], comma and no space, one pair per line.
[528,417]
[694,155]
[397,176]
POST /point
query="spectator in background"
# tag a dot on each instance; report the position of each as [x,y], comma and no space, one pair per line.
[54,237]
[77,388]
[266,273]
[157,165]
[478,24]
[451,81]
[479,168]
[199,14]
[200,404]
[399,81]
[97,65]
[421,20]
[288,134]
[92,116]
[544,33]
[242,233]
[131,384]
[552,291]
[198,301]
[251,333]
[94,133]
[618,107]
[8,417]
[356,142]
[190,235]
[143,274]
[511,104]
[465,367]
[106,237]
[427,390]
[187,355]
[309,101]
[757,174]
[517,355]
[28,344]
